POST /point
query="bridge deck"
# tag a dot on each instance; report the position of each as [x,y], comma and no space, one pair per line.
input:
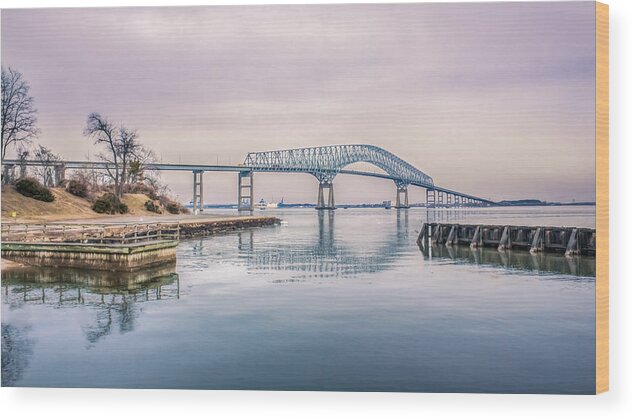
[178,167]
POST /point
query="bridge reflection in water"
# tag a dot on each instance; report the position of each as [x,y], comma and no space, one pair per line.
[325,252]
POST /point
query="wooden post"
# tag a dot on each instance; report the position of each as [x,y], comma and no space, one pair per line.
[538,242]
[572,248]
[505,240]
[477,238]
[436,237]
[452,235]
[421,235]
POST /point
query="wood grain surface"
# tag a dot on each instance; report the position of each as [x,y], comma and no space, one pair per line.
[602,197]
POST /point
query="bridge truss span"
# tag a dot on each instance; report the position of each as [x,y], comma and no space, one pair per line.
[325,162]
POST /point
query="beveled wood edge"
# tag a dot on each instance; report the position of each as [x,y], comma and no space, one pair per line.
[602,196]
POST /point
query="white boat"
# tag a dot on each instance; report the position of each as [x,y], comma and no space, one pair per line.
[263,204]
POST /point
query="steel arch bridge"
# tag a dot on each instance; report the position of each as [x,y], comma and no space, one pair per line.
[325,162]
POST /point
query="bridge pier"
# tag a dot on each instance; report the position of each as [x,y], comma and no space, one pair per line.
[197,200]
[431,198]
[60,174]
[402,197]
[245,191]
[8,173]
[322,204]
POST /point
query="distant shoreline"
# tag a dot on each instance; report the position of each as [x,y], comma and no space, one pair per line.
[381,205]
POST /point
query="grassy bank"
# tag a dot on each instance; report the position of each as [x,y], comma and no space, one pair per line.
[65,207]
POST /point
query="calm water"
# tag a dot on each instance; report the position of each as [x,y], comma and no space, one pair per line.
[326,301]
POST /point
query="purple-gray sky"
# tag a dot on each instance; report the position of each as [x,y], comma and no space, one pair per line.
[492,99]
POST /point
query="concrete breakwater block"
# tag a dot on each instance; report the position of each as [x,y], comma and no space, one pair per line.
[113,257]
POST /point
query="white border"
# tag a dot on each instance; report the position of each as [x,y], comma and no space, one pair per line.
[91,404]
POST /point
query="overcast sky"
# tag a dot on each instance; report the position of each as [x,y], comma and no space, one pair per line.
[493,99]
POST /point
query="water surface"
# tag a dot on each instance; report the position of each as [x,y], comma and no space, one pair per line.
[340,300]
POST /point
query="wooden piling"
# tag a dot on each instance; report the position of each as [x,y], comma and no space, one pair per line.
[565,240]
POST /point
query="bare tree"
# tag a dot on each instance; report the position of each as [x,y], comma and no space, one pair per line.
[47,160]
[124,154]
[127,148]
[138,168]
[104,132]
[153,180]
[18,112]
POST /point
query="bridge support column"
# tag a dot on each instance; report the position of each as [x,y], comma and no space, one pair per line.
[8,173]
[60,174]
[431,198]
[197,200]
[402,198]
[322,204]
[245,191]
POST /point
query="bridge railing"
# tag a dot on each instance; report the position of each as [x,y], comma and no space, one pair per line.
[120,233]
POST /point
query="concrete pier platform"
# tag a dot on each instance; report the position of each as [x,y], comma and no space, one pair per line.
[111,257]
[125,245]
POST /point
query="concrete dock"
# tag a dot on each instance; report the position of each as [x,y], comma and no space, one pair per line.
[120,246]
[112,257]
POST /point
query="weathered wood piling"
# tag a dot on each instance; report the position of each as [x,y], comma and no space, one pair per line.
[567,240]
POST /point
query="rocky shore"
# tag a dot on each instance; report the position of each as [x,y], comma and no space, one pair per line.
[192,228]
